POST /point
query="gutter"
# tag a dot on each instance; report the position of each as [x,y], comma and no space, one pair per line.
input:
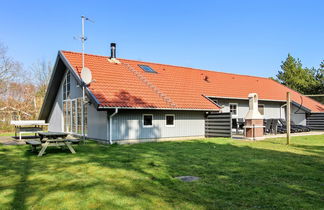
[109,137]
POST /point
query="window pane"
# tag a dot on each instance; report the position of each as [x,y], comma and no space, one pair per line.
[64,90]
[233,109]
[169,120]
[79,116]
[68,116]
[64,115]
[147,68]
[85,111]
[68,85]
[148,120]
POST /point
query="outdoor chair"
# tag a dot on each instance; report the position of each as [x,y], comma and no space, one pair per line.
[293,129]
[235,125]
[240,123]
[274,126]
[301,127]
[267,128]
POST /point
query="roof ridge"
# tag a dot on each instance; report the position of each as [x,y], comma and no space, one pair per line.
[149,84]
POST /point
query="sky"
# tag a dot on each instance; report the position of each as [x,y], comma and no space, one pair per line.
[244,37]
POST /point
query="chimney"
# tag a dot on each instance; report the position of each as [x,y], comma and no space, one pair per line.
[112,50]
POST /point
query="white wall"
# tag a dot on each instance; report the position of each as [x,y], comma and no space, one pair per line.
[271,109]
[127,124]
[97,123]
[299,117]
[56,116]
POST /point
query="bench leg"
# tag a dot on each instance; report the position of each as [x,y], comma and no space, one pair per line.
[70,147]
[44,147]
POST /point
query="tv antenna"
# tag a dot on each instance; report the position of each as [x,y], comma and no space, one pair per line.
[86,75]
[83,38]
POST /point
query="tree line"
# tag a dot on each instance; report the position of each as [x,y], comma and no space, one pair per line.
[308,81]
[21,90]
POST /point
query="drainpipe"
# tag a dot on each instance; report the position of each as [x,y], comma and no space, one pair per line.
[110,125]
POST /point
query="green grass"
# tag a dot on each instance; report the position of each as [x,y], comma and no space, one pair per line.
[4,133]
[234,175]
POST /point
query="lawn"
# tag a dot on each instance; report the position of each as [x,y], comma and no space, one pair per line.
[234,175]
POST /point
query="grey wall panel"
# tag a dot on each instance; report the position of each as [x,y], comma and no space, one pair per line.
[56,117]
[127,124]
[271,110]
[97,123]
[298,117]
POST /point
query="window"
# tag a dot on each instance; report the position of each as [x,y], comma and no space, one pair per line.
[147,68]
[73,111]
[73,116]
[261,109]
[147,120]
[67,116]
[169,120]
[233,109]
[66,86]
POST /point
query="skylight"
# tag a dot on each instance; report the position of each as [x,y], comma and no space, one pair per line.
[147,68]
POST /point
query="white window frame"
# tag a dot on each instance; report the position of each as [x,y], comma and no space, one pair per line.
[263,109]
[237,107]
[147,126]
[165,119]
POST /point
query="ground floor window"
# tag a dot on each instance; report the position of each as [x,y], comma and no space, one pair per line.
[73,117]
[233,109]
[147,120]
[169,120]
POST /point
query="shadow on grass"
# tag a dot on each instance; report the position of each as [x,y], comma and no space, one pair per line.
[142,176]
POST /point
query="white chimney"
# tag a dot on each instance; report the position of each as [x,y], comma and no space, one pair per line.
[253,112]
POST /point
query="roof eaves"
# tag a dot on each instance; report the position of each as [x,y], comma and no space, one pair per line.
[150,108]
[301,106]
[238,98]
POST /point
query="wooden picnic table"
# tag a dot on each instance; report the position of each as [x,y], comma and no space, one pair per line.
[52,135]
[49,139]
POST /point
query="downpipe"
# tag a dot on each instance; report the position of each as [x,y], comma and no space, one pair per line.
[109,137]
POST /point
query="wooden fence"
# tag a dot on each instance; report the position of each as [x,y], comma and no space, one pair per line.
[218,125]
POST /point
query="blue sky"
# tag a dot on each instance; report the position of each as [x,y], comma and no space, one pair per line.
[245,37]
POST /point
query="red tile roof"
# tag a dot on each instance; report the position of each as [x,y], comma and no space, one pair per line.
[174,87]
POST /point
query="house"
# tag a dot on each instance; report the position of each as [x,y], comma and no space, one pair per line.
[131,101]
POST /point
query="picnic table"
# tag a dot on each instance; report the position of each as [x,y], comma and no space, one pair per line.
[56,139]
[28,126]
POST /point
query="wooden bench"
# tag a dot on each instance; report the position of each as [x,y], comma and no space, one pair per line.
[34,144]
[74,141]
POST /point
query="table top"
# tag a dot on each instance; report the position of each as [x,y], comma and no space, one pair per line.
[28,122]
[52,133]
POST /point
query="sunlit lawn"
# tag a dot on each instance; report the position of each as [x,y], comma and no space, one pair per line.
[234,175]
